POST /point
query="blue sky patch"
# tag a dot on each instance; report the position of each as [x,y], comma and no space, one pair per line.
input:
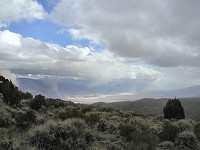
[47,32]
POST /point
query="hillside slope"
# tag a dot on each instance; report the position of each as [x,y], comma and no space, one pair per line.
[155,106]
[44,123]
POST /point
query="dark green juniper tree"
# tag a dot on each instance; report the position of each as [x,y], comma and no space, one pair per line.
[174,109]
[10,91]
[12,95]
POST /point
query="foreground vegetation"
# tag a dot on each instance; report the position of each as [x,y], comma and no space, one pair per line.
[43,123]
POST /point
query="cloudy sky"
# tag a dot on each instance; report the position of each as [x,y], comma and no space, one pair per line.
[128,46]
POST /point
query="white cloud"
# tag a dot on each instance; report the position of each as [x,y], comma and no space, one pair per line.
[32,56]
[153,31]
[79,34]
[10,38]
[15,10]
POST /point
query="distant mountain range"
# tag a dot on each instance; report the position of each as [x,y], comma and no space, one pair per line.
[62,88]
[155,106]
[193,91]
[127,101]
[65,88]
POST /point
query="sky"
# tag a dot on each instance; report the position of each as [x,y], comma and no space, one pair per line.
[101,46]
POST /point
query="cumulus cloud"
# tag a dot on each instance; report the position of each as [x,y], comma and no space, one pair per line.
[15,10]
[160,32]
[36,59]
[10,38]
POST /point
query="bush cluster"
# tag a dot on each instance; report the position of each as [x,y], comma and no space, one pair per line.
[25,119]
[70,113]
[187,140]
[38,102]
[197,130]
[183,125]
[102,125]
[5,119]
[56,103]
[139,137]
[169,132]
[57,136]
[126,131]
[92,119]
[115,146]
[6,144]
[166,145]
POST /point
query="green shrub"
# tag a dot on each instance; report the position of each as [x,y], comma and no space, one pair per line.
[145,137]
[5,134]
[56,103]
[183,125]
[38,102]
[56,136]
[140,123]
[70,113]
[89,137]
[92,119]
[26,95]
[102,125]
[62,114]
[112,129]
[5,119]
[138,139]
[158,118]
[104,109]
[6,139]
[25,119]
[187,140]
[6,144]
[75,113]
[166,145]
[40,119]
[86,109]
[138,146]
[169,132]
[126,131]
[114,146]
[197,131]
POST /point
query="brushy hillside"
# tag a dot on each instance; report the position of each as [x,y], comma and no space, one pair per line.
[155,106]
[53,124]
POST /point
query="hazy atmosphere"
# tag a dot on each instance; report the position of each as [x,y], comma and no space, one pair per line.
[68,48]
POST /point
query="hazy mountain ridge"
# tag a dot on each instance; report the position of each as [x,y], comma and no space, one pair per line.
[64,88]
[61,88]
[155,106]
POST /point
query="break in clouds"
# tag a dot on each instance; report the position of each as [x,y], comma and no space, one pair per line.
[150,44]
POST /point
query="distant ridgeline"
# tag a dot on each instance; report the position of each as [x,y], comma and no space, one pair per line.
[12,95]
[155,106]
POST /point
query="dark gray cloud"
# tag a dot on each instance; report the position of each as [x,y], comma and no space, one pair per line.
[153,31]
